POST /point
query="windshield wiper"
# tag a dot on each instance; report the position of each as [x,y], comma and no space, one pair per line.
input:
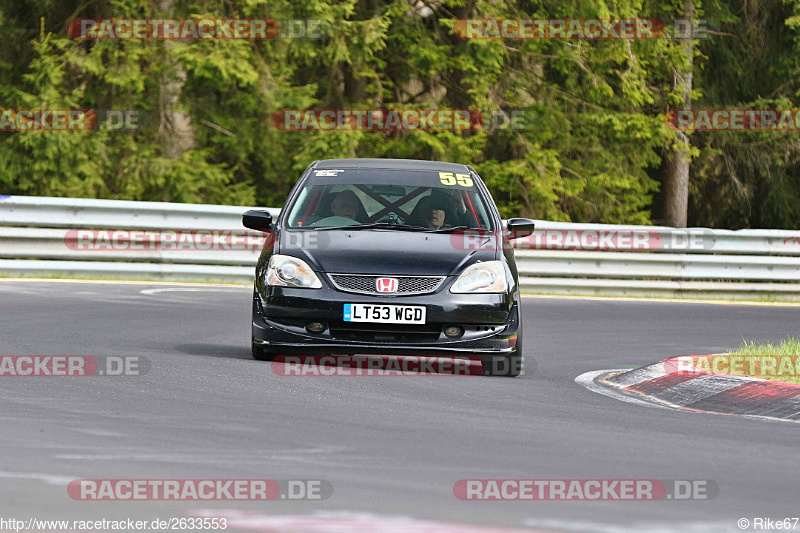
[374,225]
[448,230]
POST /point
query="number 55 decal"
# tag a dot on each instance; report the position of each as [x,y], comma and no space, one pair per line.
[448,178]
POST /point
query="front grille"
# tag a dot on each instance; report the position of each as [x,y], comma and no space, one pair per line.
[406,285]
[389,333]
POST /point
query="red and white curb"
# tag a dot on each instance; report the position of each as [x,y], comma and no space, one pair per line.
[666,384]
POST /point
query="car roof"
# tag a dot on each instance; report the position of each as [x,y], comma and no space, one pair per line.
[389,164]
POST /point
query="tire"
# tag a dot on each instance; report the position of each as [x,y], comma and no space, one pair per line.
[502,366]
[261,353]
[505,365]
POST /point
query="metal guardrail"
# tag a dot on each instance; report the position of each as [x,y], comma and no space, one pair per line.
[46,212]
[38,237]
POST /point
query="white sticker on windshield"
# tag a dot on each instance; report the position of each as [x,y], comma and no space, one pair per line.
[328,172]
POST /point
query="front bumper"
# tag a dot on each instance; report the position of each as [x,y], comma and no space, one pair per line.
[490,323]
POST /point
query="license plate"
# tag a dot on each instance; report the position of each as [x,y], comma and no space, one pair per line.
[385,314]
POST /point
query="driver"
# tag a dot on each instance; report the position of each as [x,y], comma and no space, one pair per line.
[346,204]
[431,212]
[457,214]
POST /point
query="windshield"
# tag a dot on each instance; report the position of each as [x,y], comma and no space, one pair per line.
[424,200]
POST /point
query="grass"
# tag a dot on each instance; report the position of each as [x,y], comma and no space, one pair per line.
[786,357]
[790,346]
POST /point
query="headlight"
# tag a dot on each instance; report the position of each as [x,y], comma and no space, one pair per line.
[489,276]
[287,271]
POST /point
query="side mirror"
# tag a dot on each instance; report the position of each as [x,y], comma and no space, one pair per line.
[519,228]
[257,220]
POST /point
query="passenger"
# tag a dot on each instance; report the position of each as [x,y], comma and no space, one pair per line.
[346,204]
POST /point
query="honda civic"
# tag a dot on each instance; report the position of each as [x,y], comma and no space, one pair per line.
[389,257]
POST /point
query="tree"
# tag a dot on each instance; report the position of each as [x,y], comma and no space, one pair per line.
[596,149]
[677,157]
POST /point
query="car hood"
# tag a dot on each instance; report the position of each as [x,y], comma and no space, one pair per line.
[385,251]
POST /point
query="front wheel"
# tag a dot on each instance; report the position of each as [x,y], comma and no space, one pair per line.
[505,365]
[502,365]
[262,353]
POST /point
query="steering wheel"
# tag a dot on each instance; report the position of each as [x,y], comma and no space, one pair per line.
[335,221]
[390,218]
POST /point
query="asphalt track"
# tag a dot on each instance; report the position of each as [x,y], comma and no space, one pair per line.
[392,447]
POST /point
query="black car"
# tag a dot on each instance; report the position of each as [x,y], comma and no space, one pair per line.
[389,256]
